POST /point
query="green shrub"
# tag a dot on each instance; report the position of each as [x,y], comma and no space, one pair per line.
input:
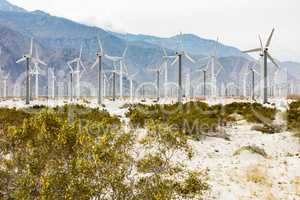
[197,118]
[293,117]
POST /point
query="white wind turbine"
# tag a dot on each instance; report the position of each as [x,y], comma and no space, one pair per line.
[28,58]
[203,69]
[157,72]
[165,66]
[4,78]
[100,54]
[120,60]
[53,79]
[36,71]
[178,58]
[251,71]
[213,62]
[130,78]
[264,53]
[78,71]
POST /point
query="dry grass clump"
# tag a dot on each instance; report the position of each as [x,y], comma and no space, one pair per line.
[266,128]
[257,174]
[296,184]
[252,149]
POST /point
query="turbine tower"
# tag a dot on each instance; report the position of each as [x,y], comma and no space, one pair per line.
[130,78]
[98,62]
[178,58]
[28,58]
[264,53]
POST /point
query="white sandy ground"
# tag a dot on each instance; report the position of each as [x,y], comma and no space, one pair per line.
[229,174]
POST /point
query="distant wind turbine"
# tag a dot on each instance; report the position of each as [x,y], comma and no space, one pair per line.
[178,58]
[157,72]
[264,53]
[79,70]
[28,58]
[213,62]
[100,54]
[120,60]
[36,71]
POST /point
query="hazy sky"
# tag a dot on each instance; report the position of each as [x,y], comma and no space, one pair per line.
[236,22]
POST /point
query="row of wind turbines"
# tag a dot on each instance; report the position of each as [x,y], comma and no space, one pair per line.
[77,69]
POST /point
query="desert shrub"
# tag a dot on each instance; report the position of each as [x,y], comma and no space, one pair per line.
[197,118]
[293,116]
[48,156]
[12,117]
[252,112]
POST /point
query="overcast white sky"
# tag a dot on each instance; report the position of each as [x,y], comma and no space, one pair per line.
[236,22]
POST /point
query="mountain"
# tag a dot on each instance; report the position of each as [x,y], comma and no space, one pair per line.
[193,44]
[6,6]
[59,40]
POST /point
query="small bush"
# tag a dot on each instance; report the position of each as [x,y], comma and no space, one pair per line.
[293,117]
[252,149]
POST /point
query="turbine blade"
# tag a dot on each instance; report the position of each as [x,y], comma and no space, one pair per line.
[256,72]
[41,62]
[204,58]
[270,38]
[165,52]
[70,67]
[175,61]
[252,50]
[189,58]
[82,65]
[216,46]
[261,44]
[31,46]
[100,45]
[80,53]
[124,53]
[273,61]
[21,60]
[95,64]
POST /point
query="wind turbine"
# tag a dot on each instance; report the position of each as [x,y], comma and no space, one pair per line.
[178,58]
[99,55]
[165,66]
[203,69]
[36,71]
[115,60]
[28,58]
[77,71]
[53,79]
[71,83]
[130,78]
[264,53]
[157,71]
[5,78]
[213,62]
[251,71]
